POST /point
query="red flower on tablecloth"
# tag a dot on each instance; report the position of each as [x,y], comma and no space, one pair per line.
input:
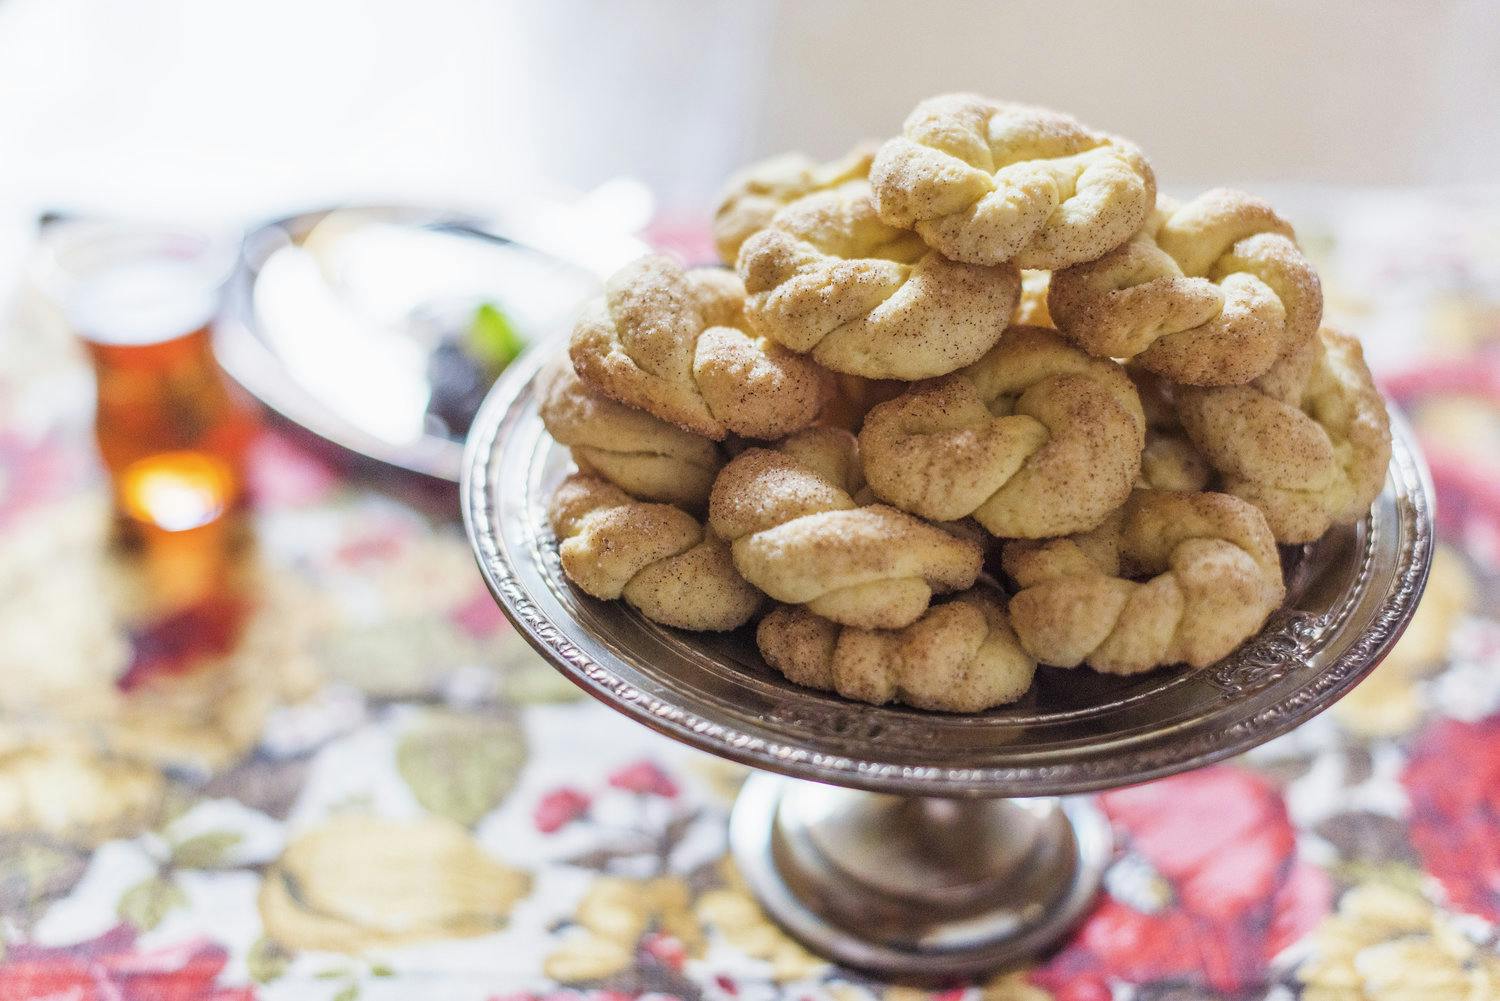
[1455,406]
[1453,781]
[559,808]
[1226,892]
[184,640]
[109,968]
[645,777]
[281,473]
[579,996]
[480,616]
[33,472]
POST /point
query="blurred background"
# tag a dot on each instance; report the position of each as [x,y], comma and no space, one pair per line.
[216,109]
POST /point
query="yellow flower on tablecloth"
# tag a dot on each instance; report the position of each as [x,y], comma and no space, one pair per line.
[1386,943]
[612,916]
[1386,703]
[1010,986]
[733,913]
[63,656]
[361,882]
[74,793]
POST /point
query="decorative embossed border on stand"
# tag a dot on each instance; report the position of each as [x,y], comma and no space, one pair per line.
[722,703]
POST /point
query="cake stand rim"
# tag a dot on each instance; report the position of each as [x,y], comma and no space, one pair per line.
[870,772]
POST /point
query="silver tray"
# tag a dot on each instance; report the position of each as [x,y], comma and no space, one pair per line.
[258,363]
[1349,597]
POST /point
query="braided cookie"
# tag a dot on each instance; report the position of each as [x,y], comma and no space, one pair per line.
[672,343]
[1208,294]
[798,534]
[1170,462]
[1308,443]
[1214,578]
[1036,439]
[988,182]
[961,656]
[655,556]
[646,457]
[828,277]
[758,192]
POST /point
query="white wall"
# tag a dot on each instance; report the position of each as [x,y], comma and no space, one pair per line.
[231,109]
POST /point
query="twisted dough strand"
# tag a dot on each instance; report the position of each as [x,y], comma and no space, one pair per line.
[655,556]
[1215,576]
[1034,440]
[867,299]
[797,533]
[1308,443]
[754,195]
[673,344]
[987,182]
[643,455]
[1210,293]
[960,656]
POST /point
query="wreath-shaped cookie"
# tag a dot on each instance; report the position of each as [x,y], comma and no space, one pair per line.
[1171,578]
[1209,293]
[961,656]
[829,278]
[646,457]
[798,534]
[988,182]
[655,556]
[674,344]
[756,193]
[1308,443]
[1036,439]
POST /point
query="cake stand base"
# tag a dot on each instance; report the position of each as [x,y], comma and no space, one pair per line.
[917,887]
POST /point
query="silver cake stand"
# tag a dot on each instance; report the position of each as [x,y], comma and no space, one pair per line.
[922,844]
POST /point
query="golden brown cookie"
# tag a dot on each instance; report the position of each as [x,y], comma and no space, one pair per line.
[674,344]
[798,534]
[961,656]
[644,456]
[1209,293]
[829,278]
[1308,443]
[990,182]
[756,193]
[655,556]
[1034,440]
[1171,578]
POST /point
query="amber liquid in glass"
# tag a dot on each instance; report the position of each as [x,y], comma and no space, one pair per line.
[171,430]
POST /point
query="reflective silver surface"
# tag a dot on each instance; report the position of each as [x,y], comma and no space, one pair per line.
[335,340]
[1349,597]
[914,886]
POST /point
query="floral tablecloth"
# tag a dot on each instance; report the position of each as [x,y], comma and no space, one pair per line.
[342,776]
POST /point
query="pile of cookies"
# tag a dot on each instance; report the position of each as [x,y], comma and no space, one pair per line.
[987,343]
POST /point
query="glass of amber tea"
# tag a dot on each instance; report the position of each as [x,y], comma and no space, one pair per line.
[172,431]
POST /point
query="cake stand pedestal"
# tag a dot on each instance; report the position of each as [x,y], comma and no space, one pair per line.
[929,845]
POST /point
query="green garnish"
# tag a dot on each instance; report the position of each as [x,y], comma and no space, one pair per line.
[493,339]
